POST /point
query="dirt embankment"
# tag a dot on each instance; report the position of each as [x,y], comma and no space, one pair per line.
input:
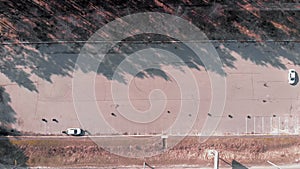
[244,150]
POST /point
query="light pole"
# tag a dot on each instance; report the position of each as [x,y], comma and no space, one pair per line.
[246,119]
[45,121]
[278,129]
[254,124]
[211,115]
[263,124]
[271,122]
[274,165]
[214,153]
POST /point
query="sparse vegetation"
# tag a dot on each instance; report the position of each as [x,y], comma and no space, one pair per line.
[80,152]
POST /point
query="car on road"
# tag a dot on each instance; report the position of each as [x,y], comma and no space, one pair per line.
[74,132]
[292,76]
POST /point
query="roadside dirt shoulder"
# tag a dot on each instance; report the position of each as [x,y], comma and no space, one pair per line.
[248,151]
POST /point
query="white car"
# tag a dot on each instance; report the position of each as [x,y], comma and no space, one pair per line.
[74,132]
[292,76]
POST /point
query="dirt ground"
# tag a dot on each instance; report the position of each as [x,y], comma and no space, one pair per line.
[248,151]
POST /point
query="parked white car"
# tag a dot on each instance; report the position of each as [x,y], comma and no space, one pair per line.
[292,76]
[74,132]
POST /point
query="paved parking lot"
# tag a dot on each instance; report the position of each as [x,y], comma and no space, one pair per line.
[261,92]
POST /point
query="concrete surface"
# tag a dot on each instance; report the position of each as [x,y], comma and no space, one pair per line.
[257,43]
[260,91]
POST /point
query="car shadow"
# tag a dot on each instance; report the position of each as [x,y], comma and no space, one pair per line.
[86,131]
[82,132]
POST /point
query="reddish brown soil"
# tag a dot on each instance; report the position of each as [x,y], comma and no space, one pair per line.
[81,152]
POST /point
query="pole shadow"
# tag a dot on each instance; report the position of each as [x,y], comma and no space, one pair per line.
[236,165]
